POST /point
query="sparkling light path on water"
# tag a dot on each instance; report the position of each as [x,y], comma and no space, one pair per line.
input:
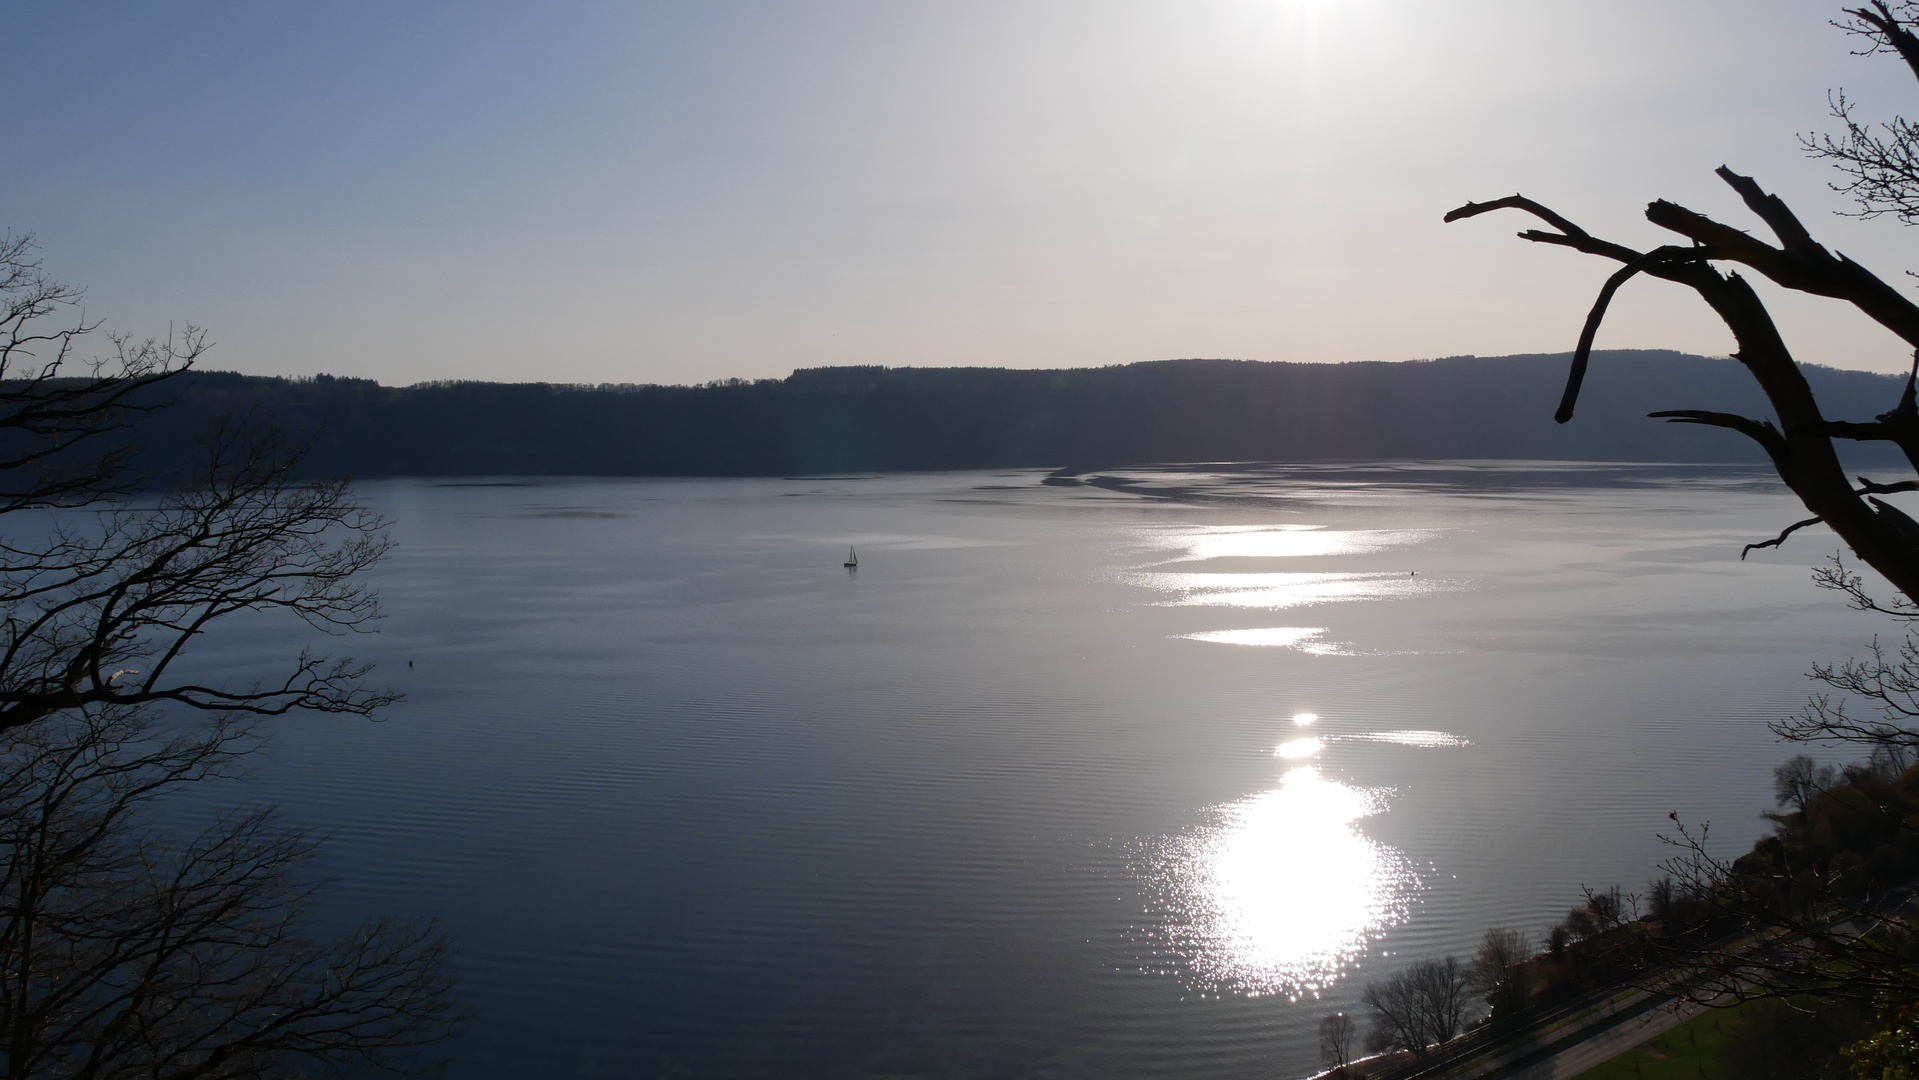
[1284,892]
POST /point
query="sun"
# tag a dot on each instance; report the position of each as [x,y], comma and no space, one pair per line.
[1302,21]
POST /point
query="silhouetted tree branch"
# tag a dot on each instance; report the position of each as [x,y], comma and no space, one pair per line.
[101,608]
[1802,454]
[1778,540]
[103,611]
[1419,1007]
[1338,1038]
[1781,922]
[1882,165]
[1821,907]
[1496,972]
[57,427]
[1800,445]
[125,953]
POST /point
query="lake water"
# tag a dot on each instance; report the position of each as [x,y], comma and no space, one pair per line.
[1128,779]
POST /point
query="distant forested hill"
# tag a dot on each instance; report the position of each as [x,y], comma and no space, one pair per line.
[834,420]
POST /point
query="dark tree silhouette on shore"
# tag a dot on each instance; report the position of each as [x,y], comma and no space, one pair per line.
[1419,1007]
[1338,1038]
[1497,971]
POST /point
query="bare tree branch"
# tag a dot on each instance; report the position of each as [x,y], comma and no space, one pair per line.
[57,428]
[102,609]
[1777,540]
[1868,487]
[123,951]
[1800,449]
[1801,264]
[1583,352]
[1825,905]
[1759,431]
[125,954]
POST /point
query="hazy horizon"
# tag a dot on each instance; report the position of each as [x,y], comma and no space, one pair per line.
[675,194]
[1548,355]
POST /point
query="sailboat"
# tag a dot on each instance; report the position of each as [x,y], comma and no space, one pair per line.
[852,560]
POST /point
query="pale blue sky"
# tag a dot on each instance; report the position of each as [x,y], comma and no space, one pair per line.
[652,192]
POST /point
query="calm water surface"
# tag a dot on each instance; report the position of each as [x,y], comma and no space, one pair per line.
[1128,779]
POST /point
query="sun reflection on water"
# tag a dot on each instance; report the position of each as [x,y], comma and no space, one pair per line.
[1287,590]
[1298,748]
[1284,891]
[1293,541]
[1430,740]
[1303,638]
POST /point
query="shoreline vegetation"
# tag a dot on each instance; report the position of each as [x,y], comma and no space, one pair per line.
[1845,839]
[824,421]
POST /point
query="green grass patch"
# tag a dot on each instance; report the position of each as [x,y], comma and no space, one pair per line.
[1692,1051]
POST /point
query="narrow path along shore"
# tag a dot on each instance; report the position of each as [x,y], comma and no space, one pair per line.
[1593,1049]
[1581,1035]
[1559,1047]
[1610,1033]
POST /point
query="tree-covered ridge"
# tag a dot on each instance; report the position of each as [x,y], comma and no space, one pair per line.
[853,419]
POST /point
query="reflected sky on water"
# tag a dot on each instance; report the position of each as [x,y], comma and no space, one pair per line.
[1069,781]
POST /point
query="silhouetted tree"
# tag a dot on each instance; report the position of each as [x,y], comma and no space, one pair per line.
[1338,1037]
[1797,779]
[1673,908]
[1611,908]
[1800,443]
[1556,941]
[100,607]
[58,425]
[1419,1007]
[127,952]
[1497,971]
[1806,911]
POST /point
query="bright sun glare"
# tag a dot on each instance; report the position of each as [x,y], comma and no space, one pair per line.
[1299,748]
[1285,890]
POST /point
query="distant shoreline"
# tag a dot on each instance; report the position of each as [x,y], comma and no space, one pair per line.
[826,421]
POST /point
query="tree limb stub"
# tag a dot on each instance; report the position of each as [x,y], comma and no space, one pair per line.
[1775,213]
[1516,202]
[1778,540]
[1582,354]
[1759,431]
[1901,524]
[1868,487]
